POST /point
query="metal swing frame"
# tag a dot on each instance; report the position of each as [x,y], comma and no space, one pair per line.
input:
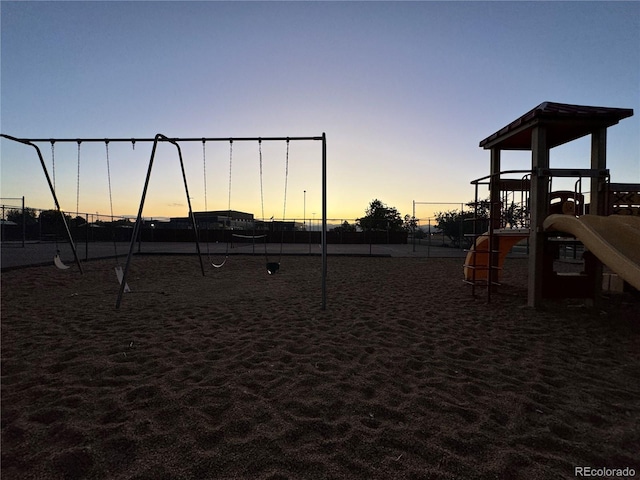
[136,228]
[57,261]
[159,138]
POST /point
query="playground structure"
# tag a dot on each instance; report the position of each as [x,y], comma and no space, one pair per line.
[271,266]
[608,227]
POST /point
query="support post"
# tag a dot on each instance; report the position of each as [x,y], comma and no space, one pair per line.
[136,228]
[539,206]
[598,161]
[24,223]
[494,186]
[191,214]
[413,226]
[598,196]
[429,233]
[86,237]
[324,221]
[494,219]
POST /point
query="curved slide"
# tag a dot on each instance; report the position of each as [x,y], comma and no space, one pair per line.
[615,240]
[505,241]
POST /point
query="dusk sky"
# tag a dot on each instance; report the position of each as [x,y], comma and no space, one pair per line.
[405,91]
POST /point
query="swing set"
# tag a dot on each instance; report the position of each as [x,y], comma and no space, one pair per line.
[272,266]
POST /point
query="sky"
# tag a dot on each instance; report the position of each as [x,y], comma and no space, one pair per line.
[404,91]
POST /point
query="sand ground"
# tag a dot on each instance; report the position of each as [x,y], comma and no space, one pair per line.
[241,375]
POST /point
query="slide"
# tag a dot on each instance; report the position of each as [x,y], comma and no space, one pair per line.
[505,239]
[614,240]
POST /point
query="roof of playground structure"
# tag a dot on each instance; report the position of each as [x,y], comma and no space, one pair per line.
[564,123]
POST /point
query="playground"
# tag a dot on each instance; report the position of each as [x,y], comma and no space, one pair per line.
[601,215]
[515,359]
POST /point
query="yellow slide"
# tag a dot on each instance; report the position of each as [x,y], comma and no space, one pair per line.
[615,240]
[478,256]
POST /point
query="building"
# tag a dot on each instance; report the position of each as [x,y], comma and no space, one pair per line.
[231,220]
[215,220]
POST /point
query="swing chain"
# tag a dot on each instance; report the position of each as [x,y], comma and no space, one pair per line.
[78,181]
[273,267]
[284,208]
[228,221]
[286,179]
[230,171]
[204,169]
[261,188]
[106,146]
[56,258]
[53,162]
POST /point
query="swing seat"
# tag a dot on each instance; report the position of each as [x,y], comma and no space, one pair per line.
[120,276]
[273,267]
[59,263]
[219,265]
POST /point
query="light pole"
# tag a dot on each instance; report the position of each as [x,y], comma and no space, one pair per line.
[304,211]
[312,222]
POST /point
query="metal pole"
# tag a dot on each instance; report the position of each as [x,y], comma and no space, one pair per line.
[304,221]
[136,226]
[462,226]
[24,223]
[324,221]
[429,243]
[86,241]
[163,139]
[413,226]
[191,215]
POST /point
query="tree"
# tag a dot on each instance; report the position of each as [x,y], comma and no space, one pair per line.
[50,221]
[345,227]
[455,224]
[15,215]
[121,222]
[411,223]
[78,221]
[516,216]
[379,216]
